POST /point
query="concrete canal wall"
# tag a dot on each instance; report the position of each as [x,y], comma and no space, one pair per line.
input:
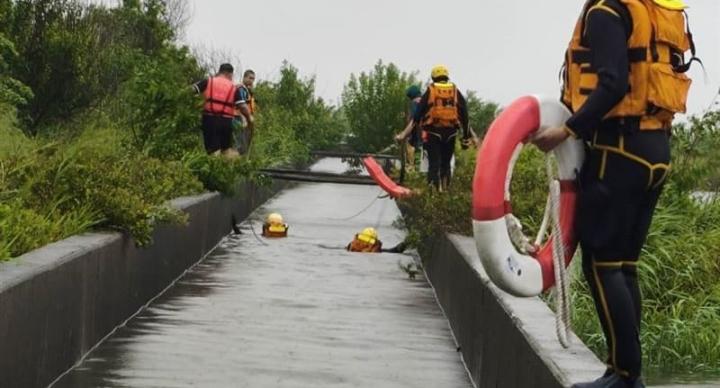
[57,302]
[505,341]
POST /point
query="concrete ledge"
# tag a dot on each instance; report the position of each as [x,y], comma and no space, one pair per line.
[505,341]
[57,302]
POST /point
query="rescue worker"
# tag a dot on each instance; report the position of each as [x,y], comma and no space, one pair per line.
[366,241]
[414,146]
[441,113]
[624,81]
[221,98]
[245,112]
[275,226]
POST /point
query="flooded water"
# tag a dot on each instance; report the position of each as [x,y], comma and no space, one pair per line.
[295,312]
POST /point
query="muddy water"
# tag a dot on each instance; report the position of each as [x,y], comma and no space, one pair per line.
[296,312]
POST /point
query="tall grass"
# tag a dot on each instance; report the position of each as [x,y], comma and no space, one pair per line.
[679,276]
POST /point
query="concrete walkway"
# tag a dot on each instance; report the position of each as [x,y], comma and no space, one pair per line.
[297,312]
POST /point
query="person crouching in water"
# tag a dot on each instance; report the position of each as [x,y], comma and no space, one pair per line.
[275,227]
[366,241]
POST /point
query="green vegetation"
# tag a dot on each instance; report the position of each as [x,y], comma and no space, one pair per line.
[374,104]
[679,268]
[293,121]
[430,214]
[100,127]
[481,113]
[376,107]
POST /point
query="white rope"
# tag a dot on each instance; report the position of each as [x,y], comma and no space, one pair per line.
[545,222]
[551,219]
[514,226]
[562,286]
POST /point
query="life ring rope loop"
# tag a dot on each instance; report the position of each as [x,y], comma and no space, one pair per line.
[516,272]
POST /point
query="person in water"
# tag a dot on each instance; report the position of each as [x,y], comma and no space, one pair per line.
[367,241]
[275,226]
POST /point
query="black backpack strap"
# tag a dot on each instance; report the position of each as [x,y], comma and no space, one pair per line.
[693,51]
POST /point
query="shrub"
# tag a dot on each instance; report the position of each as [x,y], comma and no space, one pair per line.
[431,213]
[374,104]
[292,121]
[220,174]
[93,181]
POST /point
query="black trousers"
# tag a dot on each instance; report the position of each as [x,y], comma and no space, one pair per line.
[217,133]
[440,148]
[619,186]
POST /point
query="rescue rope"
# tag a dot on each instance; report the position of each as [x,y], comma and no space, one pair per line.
[562,285]
[252,228]
[551,220]
[545,222]
[366,208]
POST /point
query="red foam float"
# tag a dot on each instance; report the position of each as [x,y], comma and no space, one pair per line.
[378,175]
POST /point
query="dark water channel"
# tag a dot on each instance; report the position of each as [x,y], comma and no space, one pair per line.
[297,312]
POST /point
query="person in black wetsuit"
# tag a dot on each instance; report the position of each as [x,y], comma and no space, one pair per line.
[623,86]
[442,111]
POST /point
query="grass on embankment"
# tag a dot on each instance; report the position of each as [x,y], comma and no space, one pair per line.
[679,267]
[51,189]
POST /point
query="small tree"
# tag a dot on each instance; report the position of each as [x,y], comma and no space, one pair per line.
[12,92]
[293,121]
[481,113]
[375,104]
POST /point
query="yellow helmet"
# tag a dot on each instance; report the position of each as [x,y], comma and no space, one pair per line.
[440,71]
[675,5]
[368,235]
[274,219]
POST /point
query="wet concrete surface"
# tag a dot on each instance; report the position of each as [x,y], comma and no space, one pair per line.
[295,312]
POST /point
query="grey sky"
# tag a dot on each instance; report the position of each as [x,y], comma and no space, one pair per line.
[503,48]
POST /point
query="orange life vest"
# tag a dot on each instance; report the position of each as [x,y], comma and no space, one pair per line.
[443,104]
[275,231]
[658,86]
[359,245]
[252,105]
[220,97]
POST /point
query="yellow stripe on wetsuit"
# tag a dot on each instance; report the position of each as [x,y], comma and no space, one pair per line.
[620,150]
[606,309]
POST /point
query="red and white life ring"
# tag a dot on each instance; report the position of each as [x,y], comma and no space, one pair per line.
[514,272]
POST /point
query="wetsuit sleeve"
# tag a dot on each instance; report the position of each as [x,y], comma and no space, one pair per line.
[200,86]
[463,112]
[422,108]
[607,37]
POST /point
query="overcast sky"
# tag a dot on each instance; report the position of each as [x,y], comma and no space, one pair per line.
[502,49]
